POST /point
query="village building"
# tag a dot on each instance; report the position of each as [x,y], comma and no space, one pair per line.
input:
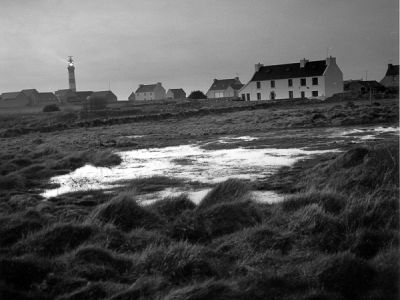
[46,98]
[224,88]
[108,95]
[14,99]
[66,96]
[132,97]
[363,86]
[150,92]
[306,79]
[391,79]
[177,94]
[83,95]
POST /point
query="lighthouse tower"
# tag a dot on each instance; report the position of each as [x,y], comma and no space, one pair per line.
[71,74]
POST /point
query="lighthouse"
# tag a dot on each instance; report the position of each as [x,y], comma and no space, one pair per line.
[71,74]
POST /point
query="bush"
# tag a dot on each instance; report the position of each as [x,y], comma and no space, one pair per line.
[51,108]
[55,239]
[126,214]
[346,274]
[172,207]
[231,190]
[194,95]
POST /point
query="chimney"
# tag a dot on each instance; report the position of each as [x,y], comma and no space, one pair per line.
[237,78]
[158,83]
[303,63]
[140,85]
[215,80]
[330,60]
[258,66]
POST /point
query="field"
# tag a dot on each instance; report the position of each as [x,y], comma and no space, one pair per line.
[334,235]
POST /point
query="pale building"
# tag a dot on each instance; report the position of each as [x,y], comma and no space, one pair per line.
[176,94]
[306,79]
[224,88]
[150,92]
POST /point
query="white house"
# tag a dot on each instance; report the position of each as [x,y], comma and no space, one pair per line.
[307,79]
[150,92]
[224,88]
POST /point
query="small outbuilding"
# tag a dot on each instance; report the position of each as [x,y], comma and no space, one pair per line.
[150,92]
[224,88]
[177,94]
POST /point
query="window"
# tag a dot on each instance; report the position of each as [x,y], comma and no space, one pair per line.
[272,95]
[248,97]
[272,83]
[258,85]
[290,94]
[315,93]
[303,95]
[303,82]
[244,97]
[258,96]
[315,81]
[290,82]
[219,95]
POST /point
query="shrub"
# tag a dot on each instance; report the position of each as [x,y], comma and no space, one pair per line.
[210,289]
[172,207]
[126,214]
[331,201]
[51,108]
[346,274]
[194,95]
[55,240]
[231,190]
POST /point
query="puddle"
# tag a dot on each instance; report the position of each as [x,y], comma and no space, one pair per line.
[206,166]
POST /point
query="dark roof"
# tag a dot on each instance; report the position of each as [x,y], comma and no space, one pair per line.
[30,92]
[9,95]
[179,93]
[312,68]
[84,94]
[145,88]
[64,92]
[102,94]
[223,84]
[393,70]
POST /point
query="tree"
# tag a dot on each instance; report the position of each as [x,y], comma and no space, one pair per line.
[197,95]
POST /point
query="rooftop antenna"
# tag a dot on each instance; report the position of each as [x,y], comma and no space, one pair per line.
[327,51]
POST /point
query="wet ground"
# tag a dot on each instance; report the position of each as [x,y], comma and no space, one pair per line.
[197,166]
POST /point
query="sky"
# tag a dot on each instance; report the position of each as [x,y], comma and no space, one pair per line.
[119,44]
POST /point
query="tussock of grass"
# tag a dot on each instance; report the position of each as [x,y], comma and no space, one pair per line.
[24,271]
[180,262]
[172,207]
[331,201]
[387,265]
[104,159]
[226,218]
[55,239]
[12,182]
[145,287]
[92,291]
[209,289]
[231,190]
[345,273]
[318,228]
[17,226]
[126,214]
[94,263]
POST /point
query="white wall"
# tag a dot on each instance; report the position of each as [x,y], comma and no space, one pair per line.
[282,89]
[333,78]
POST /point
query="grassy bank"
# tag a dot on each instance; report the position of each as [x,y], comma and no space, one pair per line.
[334,237]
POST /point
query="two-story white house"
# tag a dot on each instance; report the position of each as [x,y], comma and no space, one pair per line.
[150,92]
[306,79]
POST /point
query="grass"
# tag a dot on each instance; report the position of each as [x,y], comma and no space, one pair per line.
[334,237]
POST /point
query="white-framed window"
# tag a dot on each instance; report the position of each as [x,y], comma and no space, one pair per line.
[219,94]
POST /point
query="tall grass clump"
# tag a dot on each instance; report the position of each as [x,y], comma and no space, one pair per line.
[55,239]
[172,207]
[231,190]
[126,214]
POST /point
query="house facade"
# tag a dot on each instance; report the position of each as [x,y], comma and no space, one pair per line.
[14,99]
[176,94]
[150,92]
[224,88]
[391,79]
[306,79]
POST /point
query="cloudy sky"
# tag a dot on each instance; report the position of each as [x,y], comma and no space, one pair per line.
[187,43]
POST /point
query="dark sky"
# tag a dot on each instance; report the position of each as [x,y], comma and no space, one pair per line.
[187,43]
